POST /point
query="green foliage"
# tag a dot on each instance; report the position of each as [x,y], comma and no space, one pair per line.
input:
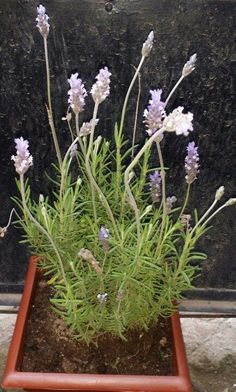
[142,280]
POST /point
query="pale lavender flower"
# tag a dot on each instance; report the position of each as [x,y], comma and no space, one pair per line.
[87,127]
[77,93]
[178,122]
[104,238]
[155,112]
[155,186]
[23,160]
[102,298]
[191,163]
[170,201]
[42,19]
[189,67]
[101,89]
[147,46]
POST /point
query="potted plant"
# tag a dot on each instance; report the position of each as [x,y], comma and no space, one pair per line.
[115,252]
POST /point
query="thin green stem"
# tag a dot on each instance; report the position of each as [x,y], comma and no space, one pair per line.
[95,110]
[136,114]
[212,215]
[10,217]
[186,200]
[78,135]
[173,89]
[40,227]
[163,185]
[50,114]
[128,94]
[87,163]
[205,215]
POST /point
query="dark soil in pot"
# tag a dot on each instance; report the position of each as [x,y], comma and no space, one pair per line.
[49,346]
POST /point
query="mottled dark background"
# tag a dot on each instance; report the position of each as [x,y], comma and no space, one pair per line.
[87,34]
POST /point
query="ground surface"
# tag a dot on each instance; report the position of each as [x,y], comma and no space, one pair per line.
[208,374]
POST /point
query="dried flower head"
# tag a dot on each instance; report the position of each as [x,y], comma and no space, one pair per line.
[191,163]
[73,151]
[185,220]
[155,112]
[87,255]
[3,231]
[101,89]
[155,186]
[23,160]
[148,44]
[120,295]
[87,127]
[77,93]
[104,238]
[42,19]
[189,67]
[178,122]
[170,201]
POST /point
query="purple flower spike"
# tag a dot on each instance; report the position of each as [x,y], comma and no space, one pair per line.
[155,186]
[23,160]
[191,163]
[42,19]
[77,93]
[155,112]
[101,89]
[104,238]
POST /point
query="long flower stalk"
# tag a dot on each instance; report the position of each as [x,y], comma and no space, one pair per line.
[50,113]
[128,94]
[136,114]
[163,185]
[78,135]
[173,89]
[186,200]
[87,158]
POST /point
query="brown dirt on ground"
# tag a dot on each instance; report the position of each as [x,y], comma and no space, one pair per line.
[49,346]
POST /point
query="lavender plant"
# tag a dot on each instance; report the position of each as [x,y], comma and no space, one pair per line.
[116,248]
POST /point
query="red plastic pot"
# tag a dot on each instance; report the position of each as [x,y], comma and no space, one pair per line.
[14,378]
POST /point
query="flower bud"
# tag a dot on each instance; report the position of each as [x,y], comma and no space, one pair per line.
[41,198]
[147,46]
[219,193]
[230,202]
[97,143]
[148,209]
[79,181]
[189,67]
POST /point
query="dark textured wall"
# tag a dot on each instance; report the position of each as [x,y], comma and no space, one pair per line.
[85,36]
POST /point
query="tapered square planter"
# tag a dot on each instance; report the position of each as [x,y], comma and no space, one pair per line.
[179,381]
